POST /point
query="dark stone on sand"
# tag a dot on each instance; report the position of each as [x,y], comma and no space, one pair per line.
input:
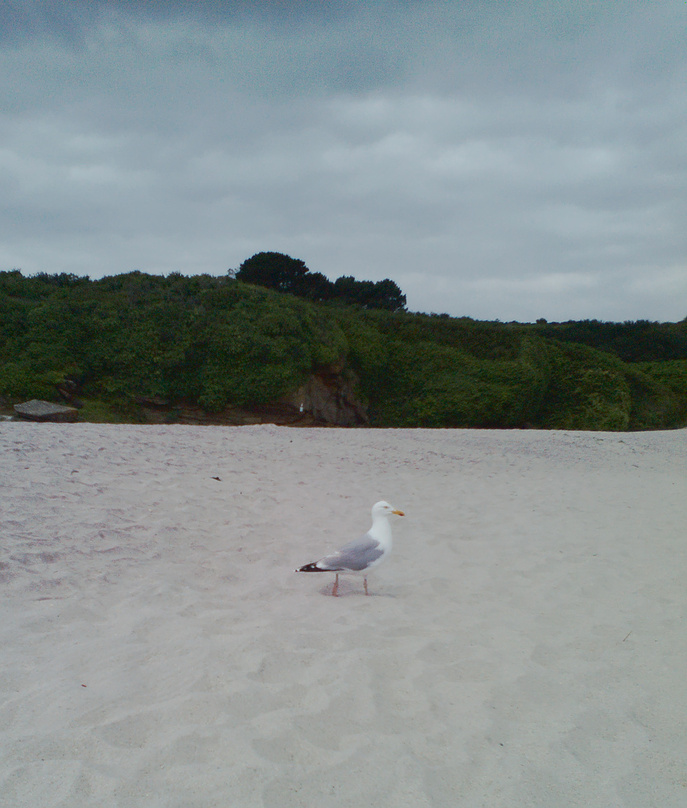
[36,410]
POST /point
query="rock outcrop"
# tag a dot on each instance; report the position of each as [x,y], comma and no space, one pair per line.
[329,397]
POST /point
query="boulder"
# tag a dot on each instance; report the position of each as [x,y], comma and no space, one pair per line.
[36,410]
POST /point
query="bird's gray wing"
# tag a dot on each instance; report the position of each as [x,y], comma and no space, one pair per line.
[356,555]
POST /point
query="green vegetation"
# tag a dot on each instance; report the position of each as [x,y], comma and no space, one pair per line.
[221,343]
[640,341]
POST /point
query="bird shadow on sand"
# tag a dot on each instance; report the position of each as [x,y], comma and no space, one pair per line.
[352,591]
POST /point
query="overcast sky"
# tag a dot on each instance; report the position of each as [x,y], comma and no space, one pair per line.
[498,159]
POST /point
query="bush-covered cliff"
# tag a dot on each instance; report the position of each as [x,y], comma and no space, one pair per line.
[132,345]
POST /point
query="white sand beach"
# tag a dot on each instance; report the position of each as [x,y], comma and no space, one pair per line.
[524,646]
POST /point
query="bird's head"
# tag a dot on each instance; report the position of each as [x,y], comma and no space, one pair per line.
[384,509]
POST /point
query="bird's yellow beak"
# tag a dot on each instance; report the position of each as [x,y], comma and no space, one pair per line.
[398,513]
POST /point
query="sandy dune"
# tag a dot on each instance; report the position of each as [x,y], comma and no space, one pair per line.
[525,646]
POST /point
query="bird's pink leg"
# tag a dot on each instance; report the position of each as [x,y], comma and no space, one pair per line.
[335,588]
[365,583]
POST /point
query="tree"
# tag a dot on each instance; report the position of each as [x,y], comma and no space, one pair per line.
[273,270]
[387,295]
[285,274]
[316,287]
[369,295]
[349,290]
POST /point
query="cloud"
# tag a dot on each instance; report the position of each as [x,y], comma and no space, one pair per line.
[507,160]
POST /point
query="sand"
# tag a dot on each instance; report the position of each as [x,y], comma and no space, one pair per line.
[524,646]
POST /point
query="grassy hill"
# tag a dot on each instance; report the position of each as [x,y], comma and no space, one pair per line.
[222,347]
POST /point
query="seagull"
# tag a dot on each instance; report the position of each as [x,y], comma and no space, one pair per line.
[361,555]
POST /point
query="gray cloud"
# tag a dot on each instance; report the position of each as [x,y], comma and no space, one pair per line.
[505,160]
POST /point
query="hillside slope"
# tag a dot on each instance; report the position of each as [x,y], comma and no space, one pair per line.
[140,347]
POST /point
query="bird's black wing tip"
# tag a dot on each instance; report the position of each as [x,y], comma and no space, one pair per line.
[314,568]
[310,568]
